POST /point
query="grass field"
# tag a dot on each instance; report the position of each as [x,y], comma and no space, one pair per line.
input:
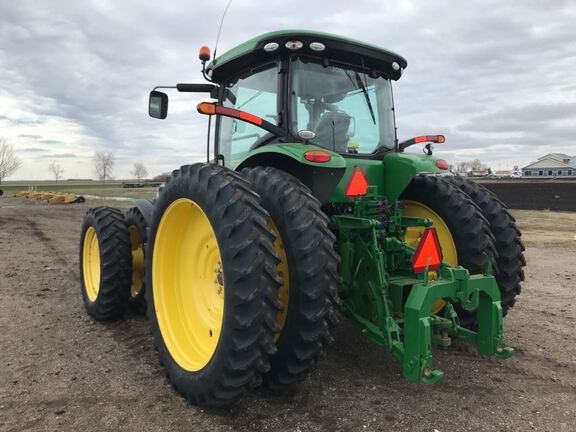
[546,228]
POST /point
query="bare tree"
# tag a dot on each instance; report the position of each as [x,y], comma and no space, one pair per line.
[103,165]
[472,165]
[56,170]
[9,162]
[139,171]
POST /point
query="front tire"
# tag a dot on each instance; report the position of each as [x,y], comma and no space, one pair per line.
[211,269]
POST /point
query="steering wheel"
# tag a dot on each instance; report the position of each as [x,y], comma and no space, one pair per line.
[263,140]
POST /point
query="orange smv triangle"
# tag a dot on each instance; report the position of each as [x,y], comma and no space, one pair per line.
[428,253]
[358,183]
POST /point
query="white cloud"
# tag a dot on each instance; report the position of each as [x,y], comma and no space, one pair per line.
[495,77]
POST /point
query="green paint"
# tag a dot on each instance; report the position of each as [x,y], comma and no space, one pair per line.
[390,175]
[295,151]
[256,42]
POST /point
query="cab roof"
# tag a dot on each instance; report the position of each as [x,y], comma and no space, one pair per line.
[337,48]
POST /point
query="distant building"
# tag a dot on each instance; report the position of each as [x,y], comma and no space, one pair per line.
[552,165]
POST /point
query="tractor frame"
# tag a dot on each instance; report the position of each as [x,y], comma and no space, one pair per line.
[380,290]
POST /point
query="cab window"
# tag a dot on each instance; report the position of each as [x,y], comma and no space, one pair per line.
[257,94]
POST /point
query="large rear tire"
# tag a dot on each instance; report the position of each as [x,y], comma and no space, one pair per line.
[309,268]
[105,263]
[211,272]
[509,244]
[138,237]
[464,233]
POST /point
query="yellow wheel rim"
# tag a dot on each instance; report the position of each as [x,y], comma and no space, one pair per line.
[91,264]
[188,284]
[137,261]
[282,270]
[414,234]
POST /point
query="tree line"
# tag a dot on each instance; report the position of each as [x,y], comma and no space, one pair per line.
[103,165]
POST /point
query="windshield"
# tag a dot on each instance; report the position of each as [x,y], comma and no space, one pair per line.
[348,111]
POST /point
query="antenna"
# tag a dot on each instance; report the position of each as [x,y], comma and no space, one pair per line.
[220,28]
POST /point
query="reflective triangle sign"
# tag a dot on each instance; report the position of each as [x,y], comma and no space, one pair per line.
[358,183]
[428,253]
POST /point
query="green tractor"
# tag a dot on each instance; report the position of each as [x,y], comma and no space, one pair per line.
[308,208]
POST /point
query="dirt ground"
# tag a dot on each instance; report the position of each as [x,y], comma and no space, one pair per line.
[61,371]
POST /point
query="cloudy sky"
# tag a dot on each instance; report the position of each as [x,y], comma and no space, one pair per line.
[498,78]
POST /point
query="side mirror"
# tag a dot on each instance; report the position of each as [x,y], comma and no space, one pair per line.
[158,105]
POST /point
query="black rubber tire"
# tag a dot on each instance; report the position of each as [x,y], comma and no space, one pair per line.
[313,273]
[509,244]
[115,263]
[469,228]
[250,302]
[134,218]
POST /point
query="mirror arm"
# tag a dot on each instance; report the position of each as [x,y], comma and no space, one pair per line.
[199,88]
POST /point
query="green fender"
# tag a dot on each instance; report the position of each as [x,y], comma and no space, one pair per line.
[321,178]
[391,175]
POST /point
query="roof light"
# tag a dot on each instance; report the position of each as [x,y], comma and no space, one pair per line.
[271,46]
[204,54]
[395,66]
[317,46]
[428,253]
[317,156]
[294,45]
[442,164]
[358,183]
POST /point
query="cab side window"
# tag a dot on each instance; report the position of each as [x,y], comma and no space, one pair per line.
[255,94]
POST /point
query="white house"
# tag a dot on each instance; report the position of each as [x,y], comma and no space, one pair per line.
[551,165]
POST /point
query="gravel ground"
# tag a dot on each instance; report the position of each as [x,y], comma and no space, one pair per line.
[59,370]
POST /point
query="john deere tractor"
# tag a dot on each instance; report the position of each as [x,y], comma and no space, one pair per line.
[307,208]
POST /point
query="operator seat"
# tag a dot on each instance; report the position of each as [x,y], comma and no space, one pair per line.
[332,131]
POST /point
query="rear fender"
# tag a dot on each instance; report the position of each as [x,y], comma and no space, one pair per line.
[392,174]
[320,178]
[401,168]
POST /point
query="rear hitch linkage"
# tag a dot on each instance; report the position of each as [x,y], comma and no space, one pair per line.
[393,306]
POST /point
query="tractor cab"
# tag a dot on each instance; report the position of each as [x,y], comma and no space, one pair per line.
[304,87]
[317,88]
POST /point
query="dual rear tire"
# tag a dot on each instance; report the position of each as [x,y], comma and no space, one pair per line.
[239,295]
[105,264]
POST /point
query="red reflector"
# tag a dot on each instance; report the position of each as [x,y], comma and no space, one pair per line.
[430,138]
[227,111]
[428,253]
[358,183]
[231,112]
[250,118]
[442,164]
[317,156]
